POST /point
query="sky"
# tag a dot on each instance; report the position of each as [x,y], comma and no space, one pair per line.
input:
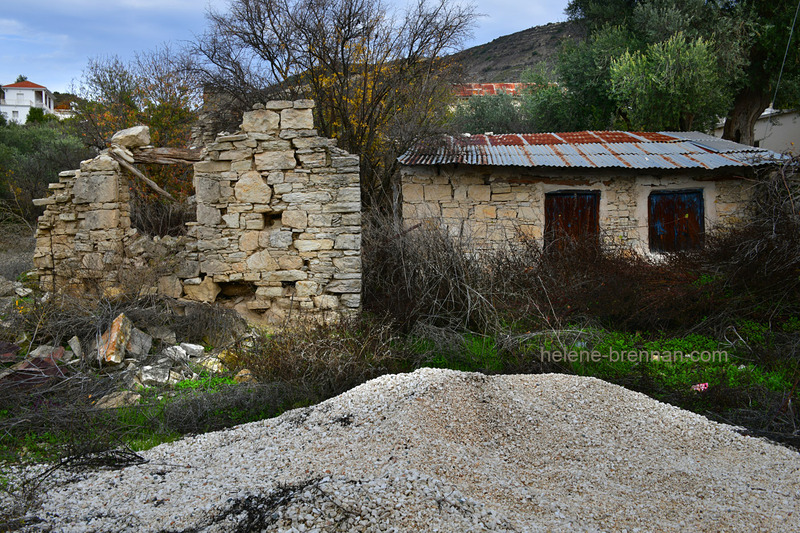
[51,42]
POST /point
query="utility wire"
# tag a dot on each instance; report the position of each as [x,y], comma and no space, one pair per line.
[785,54]
[783,64]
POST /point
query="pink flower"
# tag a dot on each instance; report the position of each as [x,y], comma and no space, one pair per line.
[700,387]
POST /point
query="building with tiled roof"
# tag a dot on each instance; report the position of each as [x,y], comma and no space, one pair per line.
[18,98]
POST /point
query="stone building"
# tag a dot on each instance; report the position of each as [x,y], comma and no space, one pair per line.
[278,230]
[652,192]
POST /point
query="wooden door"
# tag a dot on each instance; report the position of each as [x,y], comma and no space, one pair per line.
[571,215]
[676,220]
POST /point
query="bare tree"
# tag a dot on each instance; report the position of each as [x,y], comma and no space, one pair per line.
[379,77]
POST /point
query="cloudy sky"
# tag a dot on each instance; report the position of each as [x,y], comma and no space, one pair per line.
[50,42]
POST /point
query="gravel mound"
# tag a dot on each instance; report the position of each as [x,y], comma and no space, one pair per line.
[438,450]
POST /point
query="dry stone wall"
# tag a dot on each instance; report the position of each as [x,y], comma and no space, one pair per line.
[278,231]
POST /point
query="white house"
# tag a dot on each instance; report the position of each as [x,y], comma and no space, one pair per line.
[18,98]
[776,129]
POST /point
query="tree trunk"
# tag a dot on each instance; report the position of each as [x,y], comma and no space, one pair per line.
[740,123]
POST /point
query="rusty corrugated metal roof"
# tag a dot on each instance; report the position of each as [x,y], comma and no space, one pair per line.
[590,149]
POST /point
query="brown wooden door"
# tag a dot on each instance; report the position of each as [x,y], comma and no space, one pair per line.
[573,215]
[675,220]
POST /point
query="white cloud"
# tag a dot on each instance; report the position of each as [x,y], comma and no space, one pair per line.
[11,27]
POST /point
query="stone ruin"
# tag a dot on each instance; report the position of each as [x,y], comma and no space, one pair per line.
[278,231]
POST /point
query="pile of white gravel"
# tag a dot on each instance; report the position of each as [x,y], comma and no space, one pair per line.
[438,450]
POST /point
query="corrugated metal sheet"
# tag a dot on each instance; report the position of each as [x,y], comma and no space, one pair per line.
[590,149]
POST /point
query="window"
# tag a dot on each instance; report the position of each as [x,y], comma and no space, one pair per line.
[675,220]
[573,214]
[15,116]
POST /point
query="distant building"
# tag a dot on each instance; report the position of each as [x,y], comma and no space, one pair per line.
[776,129]
[18,98]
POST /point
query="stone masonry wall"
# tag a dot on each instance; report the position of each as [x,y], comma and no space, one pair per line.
[80,236]
[492,206]
[278,231]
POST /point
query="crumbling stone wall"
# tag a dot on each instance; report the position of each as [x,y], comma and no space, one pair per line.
[80,236]
[492,206]
[278,231]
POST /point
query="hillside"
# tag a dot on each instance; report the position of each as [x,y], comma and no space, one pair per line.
[505,58]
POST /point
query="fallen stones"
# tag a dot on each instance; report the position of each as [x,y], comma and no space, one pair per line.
[113,342]
[132,137]
[118,399]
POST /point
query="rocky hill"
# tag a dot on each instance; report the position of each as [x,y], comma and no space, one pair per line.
[505,58]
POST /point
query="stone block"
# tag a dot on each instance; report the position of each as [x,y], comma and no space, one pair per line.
[207,190]
[287,275]
[231,220]
[342,207]
[318,197]
[213,265]
[261,121]
[132,137]
[101,163]
[305,289]
[436,193]
[170,286]
[206,291]
[302,245]
[212,167]
[326,301]
[269,292]
[112,343]
[279,239]
[261,262]
[248,241]
[95,188]
[139,344]
[283,188]
[295,219]
[254,221]
[208,216]
[303,104]
[188,269]
[279,104]
[306,143]
[235,155]
[479,193]
[282,160]
[251,188]
[348,242]
[313,160]
[316,220]
[348,194]
[101,219]
[275,145]
[413,192]
[298,119]
[290,262]
[485,211]
[351,300]
[347,264]
[344,285]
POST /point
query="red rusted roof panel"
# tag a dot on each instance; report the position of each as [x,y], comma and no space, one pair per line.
[616,137]
[578,137]
[541,138]
[506,140]
[655,136]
